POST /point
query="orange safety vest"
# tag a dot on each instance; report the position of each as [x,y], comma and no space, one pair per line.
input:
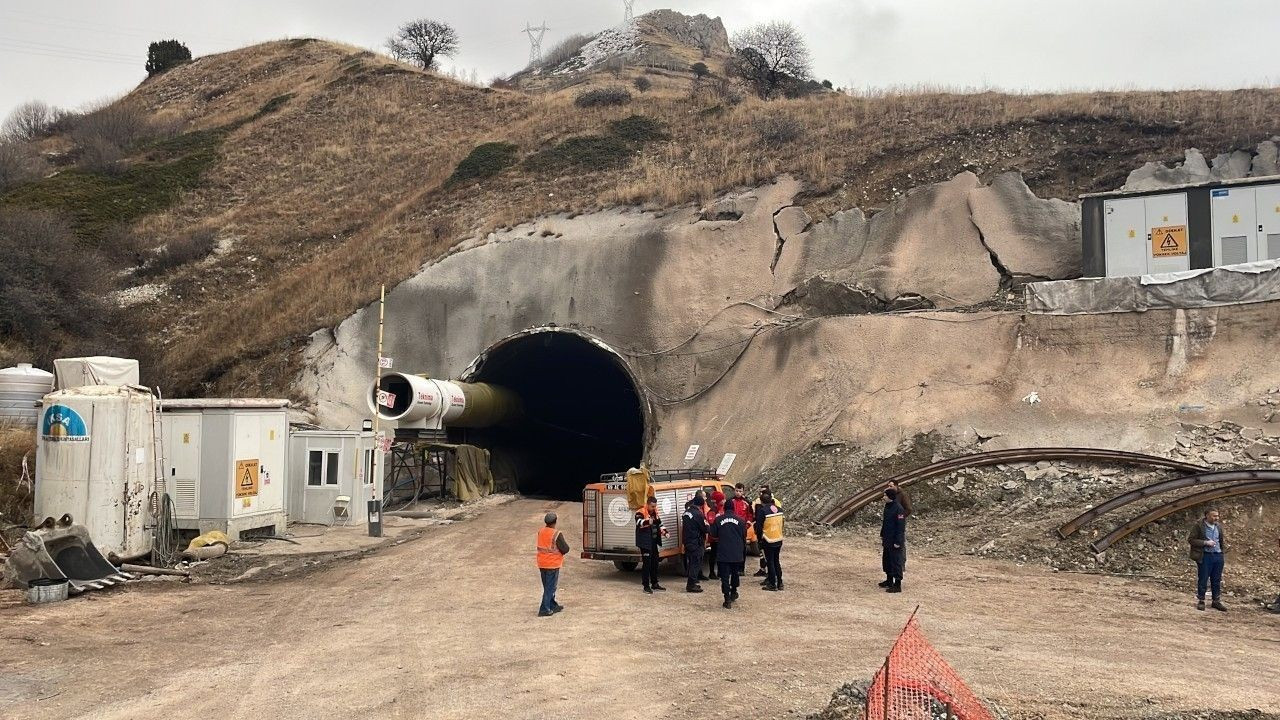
[549,557]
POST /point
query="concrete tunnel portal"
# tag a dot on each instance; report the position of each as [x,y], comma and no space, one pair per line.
[584,412]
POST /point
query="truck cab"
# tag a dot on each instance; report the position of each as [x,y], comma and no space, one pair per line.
[608,524]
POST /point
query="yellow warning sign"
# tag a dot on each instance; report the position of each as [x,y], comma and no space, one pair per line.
[246,478]
[1170,241]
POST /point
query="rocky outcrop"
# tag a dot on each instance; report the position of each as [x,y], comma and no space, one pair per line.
[699,31]
[1233,165]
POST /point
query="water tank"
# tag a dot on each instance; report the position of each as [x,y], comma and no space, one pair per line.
[21,388]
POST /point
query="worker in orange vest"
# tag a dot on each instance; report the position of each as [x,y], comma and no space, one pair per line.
[552,547]
[649,535]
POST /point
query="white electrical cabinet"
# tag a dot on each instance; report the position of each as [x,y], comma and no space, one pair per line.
[1246,224]
[225,463]
[1132,225]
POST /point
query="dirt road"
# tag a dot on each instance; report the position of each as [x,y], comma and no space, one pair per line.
[445,627]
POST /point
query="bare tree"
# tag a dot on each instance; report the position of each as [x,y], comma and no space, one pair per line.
[769,56]
[19,163]
[422,41]
[28,121]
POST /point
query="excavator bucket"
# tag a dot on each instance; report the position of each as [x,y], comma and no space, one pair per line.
[63,550]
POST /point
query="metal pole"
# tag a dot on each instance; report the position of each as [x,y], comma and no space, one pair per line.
[375,502]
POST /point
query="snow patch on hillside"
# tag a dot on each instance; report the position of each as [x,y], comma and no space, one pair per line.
[622,40]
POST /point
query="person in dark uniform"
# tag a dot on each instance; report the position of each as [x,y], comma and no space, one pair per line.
[730,534]
[893,538]
[649,534]
[768,527]
[693,533]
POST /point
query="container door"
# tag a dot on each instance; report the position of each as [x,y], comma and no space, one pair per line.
[246,470]
[1234,225]
[182,462]
[1166,244]
[1125,237]
[1268,203]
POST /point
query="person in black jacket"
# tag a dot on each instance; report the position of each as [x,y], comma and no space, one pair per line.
[649,534]
[693,532]
[893,538]
[730,533]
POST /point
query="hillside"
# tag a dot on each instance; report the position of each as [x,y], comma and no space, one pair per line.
[324,170]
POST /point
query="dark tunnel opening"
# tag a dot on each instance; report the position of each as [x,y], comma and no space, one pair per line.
[583,415]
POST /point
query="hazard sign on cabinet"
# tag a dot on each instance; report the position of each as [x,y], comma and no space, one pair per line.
[1169,241]
[246,478]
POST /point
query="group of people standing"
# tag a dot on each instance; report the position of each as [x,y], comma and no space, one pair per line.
[718,531]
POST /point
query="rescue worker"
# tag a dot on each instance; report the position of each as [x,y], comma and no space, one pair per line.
[740,506]
[649,534]
[714,511]
[1209,550]
[729,533]
[552,547]
[693,533]
[769,529]
[755,505]
[893,541]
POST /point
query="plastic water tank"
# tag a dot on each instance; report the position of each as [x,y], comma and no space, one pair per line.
[21,388]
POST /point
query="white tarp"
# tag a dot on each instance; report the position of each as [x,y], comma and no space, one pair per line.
[99,370]
[1211,287]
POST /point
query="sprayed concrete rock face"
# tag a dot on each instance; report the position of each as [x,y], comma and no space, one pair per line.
[722,315]
[1032,238]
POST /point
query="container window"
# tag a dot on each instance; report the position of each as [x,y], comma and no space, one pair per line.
[1273,246]
[315,467]
[368,467]
[331,469]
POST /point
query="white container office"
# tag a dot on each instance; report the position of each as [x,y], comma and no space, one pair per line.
[325,465]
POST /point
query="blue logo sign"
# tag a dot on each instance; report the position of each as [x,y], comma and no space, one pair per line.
[1219,193]
[62,424]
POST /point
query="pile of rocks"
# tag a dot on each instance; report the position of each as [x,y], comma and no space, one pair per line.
[1227,444]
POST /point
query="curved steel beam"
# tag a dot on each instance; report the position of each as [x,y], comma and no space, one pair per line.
[993,457]
[1186,481]
[1248,488]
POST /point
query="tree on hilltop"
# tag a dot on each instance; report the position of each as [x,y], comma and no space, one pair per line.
[422,41]
[769,57]
[166,54]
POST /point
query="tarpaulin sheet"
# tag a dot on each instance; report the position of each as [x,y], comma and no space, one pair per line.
[637,487]
[471,474]
[1212,287]
[82,371]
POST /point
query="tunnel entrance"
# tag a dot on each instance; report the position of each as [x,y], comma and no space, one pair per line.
[583,413]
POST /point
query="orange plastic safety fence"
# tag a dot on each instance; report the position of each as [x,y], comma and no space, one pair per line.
[915,683]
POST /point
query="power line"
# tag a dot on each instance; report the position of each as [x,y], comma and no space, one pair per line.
[52,47]
[63,56]
[97,27]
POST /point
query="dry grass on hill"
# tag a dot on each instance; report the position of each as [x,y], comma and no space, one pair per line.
[343,184]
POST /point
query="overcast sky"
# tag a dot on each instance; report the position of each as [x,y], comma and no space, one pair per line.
[72,52]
